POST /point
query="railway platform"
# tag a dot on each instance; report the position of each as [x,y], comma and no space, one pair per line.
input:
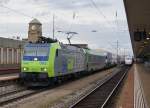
[125,97]
[141,86]
[6,70]
[7,77]
[135,92]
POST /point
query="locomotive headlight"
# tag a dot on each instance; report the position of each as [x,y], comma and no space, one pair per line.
[45,69]
[24,69]
[35,59]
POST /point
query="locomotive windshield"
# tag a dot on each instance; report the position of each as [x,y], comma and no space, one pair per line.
[30,51]
[40,52]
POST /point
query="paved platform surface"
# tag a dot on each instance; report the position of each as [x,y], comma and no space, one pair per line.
[126,95]
[143,75]
[9,76]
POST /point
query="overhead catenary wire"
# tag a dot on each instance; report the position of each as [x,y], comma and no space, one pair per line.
[100,12]
[62,14]
[74,15]
[108,22]
[16,11]
[73,18]
[21,13]
[97,8]
[75,11]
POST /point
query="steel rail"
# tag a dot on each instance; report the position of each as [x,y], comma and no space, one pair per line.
[99,86]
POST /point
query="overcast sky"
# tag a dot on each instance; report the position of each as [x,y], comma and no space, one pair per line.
[106,17]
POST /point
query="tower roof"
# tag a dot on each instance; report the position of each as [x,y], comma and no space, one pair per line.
[35,21]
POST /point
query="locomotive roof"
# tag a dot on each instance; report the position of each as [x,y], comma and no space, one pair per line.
[70,47]
[97,52]
[37,44]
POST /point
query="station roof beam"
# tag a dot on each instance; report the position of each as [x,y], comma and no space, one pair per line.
[138,16]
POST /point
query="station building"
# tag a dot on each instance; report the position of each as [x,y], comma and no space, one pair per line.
[10,53]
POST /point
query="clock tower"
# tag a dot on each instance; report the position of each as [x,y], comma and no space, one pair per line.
[35,31]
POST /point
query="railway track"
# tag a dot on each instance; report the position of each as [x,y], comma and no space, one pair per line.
[8,82]
[14,96]
[11,90]
[6,79]
[100,95]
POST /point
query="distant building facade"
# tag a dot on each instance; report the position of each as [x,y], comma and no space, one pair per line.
[10,53]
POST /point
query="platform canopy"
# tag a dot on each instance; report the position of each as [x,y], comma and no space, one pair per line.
[138,16]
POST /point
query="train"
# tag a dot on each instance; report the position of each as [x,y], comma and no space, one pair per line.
[128,60]
[46,63]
